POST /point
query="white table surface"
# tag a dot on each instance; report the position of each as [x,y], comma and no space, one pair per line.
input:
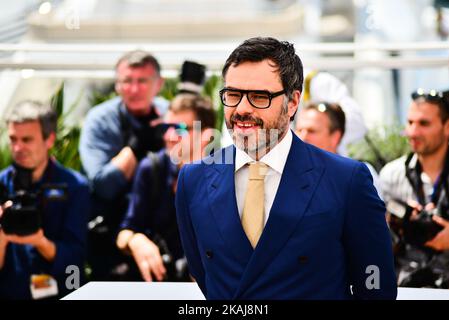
[122,290]
[190,291]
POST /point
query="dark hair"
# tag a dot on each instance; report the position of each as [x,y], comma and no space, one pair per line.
[282,53]
[437,98]
[28,110]
[335,113]
[139,58]
[200,106]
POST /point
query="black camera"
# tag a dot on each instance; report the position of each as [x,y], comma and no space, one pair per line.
[415,230]
[148,138]
[422,229]
[24,216]
[177,270]
[192,77]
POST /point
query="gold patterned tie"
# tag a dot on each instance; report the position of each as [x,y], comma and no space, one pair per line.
[253,209]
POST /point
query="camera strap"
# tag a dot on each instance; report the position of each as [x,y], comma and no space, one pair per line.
[413,175]
[160,168]
[155,179]
[443,180]
[126,127]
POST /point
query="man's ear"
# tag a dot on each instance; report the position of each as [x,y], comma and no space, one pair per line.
[50,141]
[446,128]
[159,84]
[117,87]
[336,137]
[294,103]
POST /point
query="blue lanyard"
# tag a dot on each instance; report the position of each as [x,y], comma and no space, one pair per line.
[436,190]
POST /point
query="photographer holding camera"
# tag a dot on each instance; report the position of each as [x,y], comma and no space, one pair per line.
[149,231]
[116,135]
[415,189]
[43,211]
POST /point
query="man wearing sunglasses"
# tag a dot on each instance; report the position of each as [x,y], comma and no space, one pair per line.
[149,231]
[272,217]
[419,181]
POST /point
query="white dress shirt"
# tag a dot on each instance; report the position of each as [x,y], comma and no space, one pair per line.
[275,160]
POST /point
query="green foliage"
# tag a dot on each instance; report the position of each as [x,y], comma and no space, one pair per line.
[65,149]
[99,97]
[381,145]
[169,89]
[5,154]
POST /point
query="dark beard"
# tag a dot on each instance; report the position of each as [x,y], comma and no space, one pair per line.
[269,135]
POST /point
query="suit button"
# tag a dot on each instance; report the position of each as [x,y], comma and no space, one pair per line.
[303,259]
[209,254]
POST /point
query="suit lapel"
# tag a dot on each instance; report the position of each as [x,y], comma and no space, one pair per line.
[223,204]
[298,183]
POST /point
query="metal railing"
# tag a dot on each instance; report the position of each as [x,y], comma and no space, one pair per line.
[336,47]
[98,60]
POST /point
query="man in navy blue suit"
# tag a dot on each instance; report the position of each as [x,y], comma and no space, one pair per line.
[272,217]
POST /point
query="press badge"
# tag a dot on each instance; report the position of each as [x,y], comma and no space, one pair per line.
[43,286]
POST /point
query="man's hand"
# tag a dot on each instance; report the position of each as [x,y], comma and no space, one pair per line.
[123,239]
[34,239]
[147,257]
[417,207]
[441,240]
[3,245]
[44,246]
[126,162]
[3,238]
[7,204]
[148,138]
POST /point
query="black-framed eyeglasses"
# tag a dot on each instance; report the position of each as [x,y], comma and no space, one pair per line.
[260,99]
[431,95]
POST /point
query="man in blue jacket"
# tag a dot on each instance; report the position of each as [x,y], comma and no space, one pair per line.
[273,217]
[116,135]
[37,258]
